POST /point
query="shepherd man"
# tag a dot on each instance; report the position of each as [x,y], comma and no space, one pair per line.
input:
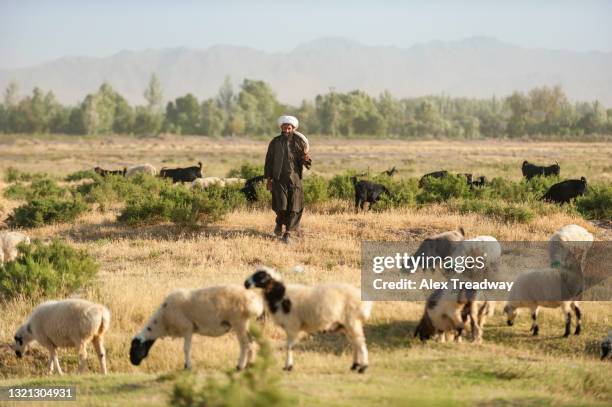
[285,161]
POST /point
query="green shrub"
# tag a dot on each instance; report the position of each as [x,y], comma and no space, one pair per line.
[498,209]
[341,186]
[597,203]
[79,175]
[402,193]
[12,174]
[232,197]
[42,270]
[435,190]
[256,386]
[315,190]
[246,171]
[42,211]
[41,188]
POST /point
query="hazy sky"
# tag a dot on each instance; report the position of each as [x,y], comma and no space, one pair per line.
[34,31]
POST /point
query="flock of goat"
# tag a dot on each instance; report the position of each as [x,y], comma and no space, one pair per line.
[298,309]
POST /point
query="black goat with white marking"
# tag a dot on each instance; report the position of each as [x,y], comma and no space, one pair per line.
[187,174]
[531,170]
[563,192]
[366,191]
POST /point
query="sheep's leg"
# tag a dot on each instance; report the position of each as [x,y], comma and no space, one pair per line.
[98,343]
[58,369]
[534,325]
[187,350]
[355,333]
[51,357]
[82,356]
[578,316]
[243,341]
[476,320]
[291,340]
[568,323]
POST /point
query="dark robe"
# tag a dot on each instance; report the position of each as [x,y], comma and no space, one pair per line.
[284,166]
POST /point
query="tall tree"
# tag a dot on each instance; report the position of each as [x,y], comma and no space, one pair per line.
[153,94]
[225,96]
[11,94]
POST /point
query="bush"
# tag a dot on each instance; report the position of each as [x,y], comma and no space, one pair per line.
[597,203]
[437,190]
[79,175]
[12,174]
[498,209]
[42,211]
[315,190]
[53,270]
[256,386]
[246,171]
[341,187]
[42,188]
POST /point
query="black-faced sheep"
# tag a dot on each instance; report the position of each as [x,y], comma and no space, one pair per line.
[563,192]
[9,240]
[65,324]
[105,173]
[531,170]
[367,192]
[187,174]
[212,311]
[442,316]
[606,346]
[328,307]
[141,169]
[250,187]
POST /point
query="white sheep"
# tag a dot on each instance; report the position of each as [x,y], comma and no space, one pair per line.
[568,247]
[207,181]
[65,324]
[442,316]
[606,346]
[440,245]
[328,307]
[141,169]
[212,311]
[542,288]
[9,240]
[231,181]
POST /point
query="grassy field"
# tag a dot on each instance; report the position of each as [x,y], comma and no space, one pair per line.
[140,265]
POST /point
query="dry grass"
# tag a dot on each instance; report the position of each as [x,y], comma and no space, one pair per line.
[139,266]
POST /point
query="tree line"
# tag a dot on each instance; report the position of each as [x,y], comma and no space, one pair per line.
[253,108]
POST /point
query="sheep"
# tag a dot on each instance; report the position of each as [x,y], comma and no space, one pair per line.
[390,172]
[440,245]
[328,307]
[568,247]
[606,346]
[212,311]
[187,174]
[64,324]
[435,174]
[141,169]
[207,181]
[542,288]
[442,315]
[366,191]
[9,240]
[105,173]
[563,192]
[250,187]
[531,170]
[231,181]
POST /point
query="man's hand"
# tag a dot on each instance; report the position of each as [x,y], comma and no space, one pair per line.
[269,185]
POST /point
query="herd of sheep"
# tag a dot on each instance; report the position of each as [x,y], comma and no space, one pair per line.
[297,309]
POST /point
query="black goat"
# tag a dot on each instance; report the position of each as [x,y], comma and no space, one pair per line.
[479,182]
[250,188]
[391,172]
[532,170]
[187,174]
[366,191]
[105,173]
[435,174]
[565,191]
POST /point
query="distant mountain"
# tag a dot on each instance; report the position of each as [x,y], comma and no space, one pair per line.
[474,67]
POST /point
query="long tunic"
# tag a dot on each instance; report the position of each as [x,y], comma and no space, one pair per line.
[284,165]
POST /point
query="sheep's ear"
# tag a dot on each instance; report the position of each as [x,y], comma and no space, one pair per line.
[29,329]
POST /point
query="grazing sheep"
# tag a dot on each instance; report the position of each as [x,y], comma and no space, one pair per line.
[187,174]
[212,311]
[366,191]
[435,174]
[65,324]
[542,288]
[207,181]
[441,244]
[480,246]
[606,346]
[250,187]
[232,181]
[9,240]
[563,192]
[568,247]
[105,173]
[390,172]
[141,169]
[442,315]
[328,307]
[531,170]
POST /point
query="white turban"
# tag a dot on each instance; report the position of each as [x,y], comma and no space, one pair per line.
[288,120]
